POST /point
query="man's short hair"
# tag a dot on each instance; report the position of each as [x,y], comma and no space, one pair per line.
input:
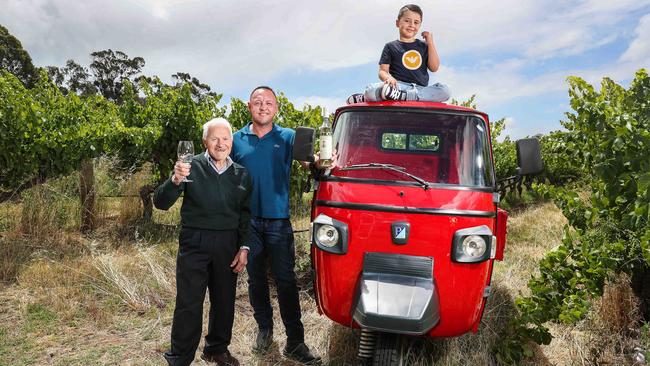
[412,7]
[262,87]
[216,122]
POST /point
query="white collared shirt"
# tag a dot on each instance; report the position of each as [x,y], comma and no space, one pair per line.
[213,163]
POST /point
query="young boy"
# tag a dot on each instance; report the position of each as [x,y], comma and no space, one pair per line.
[403,65]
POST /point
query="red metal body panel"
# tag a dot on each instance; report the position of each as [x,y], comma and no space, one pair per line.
[460,285]
[501,233]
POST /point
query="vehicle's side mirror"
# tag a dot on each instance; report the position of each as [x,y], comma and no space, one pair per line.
[529,157]
[303,144]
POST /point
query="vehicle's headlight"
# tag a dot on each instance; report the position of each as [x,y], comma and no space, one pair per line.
[330,235]
[327,235]
[474,246]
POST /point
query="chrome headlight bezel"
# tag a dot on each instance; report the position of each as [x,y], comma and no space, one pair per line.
[341,244]
[459,252]
[327,235]
[474,246]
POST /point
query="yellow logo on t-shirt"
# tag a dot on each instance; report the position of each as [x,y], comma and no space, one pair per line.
[412,59]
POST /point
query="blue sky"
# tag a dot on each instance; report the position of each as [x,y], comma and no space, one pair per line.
[514,55]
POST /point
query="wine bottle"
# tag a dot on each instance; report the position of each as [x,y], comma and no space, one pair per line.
[325,132]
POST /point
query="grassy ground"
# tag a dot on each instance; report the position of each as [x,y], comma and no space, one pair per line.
[108,298]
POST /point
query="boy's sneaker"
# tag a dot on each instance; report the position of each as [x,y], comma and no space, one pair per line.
[356,98]
[388,92]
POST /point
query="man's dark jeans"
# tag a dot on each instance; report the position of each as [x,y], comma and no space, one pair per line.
[273,238]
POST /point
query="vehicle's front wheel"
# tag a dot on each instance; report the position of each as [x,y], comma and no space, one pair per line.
[388,350]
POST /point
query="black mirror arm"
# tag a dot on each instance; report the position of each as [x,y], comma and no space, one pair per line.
[509,182]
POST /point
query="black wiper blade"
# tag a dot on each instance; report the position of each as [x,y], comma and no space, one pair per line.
[373,165]
[426,185]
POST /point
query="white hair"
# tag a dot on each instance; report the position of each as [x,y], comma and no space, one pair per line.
[216,122]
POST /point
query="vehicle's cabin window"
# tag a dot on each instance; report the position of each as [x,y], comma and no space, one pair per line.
[446,148]
[409,142]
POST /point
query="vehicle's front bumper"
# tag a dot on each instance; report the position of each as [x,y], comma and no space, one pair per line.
[397,293]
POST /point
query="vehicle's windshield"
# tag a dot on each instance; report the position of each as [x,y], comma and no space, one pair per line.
[437,147]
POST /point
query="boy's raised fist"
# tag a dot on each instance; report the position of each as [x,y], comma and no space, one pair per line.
[428,37]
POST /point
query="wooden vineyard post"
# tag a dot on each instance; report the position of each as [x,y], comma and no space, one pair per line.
[147,204]
[87,194]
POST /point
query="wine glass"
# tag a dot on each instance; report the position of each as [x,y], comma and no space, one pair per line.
[185,153]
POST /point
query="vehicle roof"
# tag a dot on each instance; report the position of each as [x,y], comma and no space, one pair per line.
[411,104]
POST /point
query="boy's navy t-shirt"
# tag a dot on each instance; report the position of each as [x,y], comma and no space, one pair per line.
[268,161]
[408,61]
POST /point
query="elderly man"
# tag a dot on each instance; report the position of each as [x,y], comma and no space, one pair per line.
[215,219]
[265,149]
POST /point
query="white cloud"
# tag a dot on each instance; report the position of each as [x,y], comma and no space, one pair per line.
[225,43]
[330,104]
[228,43]
[235,44]
[639,49]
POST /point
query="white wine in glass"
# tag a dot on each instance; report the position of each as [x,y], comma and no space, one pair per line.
[185,153]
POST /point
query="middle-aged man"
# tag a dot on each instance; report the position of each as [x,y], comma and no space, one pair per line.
[215,219]
[265,149]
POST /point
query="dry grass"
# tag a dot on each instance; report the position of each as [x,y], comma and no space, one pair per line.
[47,209]
[114,304]
[606,337]
[531,233]
[17,249]
[140,279]
[131,207]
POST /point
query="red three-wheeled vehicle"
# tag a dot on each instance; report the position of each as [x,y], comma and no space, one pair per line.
[405,225]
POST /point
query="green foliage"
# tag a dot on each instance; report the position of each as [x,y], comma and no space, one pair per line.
[560,154]
[562,159]
[111,69]
[505,156]
[50,132]
[39,316]
[14,59]
[177,116]
[45,132]
[609,134]
[645,339]
[469,103]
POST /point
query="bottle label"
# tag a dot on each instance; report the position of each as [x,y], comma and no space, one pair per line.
[325,148]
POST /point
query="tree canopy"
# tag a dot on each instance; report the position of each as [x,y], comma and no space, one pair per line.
[15,59]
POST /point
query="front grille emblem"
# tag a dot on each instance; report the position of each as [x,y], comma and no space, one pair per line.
[400,232]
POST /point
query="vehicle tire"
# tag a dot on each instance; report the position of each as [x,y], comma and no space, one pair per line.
[388,350]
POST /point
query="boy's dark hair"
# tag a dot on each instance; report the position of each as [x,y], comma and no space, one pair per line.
[412,7]
[262,87]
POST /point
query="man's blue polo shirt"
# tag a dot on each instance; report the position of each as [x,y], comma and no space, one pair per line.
[268,161]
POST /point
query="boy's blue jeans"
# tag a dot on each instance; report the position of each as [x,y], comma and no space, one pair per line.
[273,239]
[433,93]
